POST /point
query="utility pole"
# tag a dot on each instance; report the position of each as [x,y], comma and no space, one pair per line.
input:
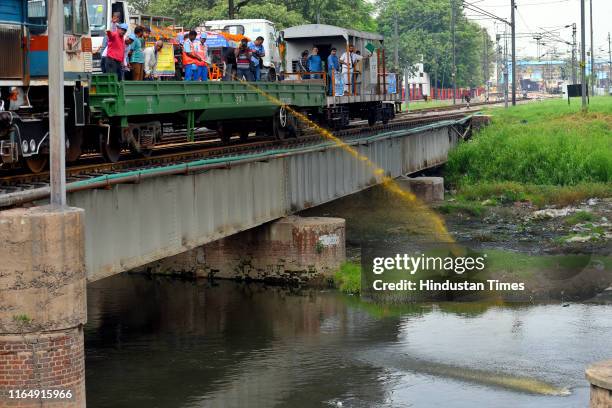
[574,73]
[396,38]
[454,69]
[593,78]
[230,9]
[506,69]
[583,56]
[486,63]
[57,144]
[609,64]
[513,23]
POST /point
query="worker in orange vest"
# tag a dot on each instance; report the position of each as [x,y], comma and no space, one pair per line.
[201,50]
[190,58]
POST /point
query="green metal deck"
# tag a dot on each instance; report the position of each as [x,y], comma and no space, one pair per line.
[209,100]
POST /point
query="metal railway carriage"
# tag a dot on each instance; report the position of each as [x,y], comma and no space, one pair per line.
[24,84]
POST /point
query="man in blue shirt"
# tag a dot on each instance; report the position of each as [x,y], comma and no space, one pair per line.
[333,69]
[257,53]
[315,64]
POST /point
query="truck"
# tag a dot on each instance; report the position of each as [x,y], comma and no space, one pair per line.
[100,13]
[253,28]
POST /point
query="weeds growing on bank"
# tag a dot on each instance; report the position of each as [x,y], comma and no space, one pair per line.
[538,146]
[348,278]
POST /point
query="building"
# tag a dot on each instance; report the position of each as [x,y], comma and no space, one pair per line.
[417,81]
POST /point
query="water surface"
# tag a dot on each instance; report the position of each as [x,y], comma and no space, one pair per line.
[159,342]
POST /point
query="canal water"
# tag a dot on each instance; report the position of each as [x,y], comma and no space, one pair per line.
[156,341]
[161,342]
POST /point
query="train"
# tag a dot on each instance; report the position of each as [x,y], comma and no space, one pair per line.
[24,86]
[107,116]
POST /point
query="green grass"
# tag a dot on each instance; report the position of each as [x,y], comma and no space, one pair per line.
[579,217]
[507,192]
[348,278]
[461,207]
[538,144]
[436,103]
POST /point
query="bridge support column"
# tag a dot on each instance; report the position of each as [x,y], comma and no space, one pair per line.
[600,377]
[42,308]
[427,189]
[292,249]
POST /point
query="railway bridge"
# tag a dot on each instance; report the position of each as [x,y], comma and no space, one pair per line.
[126,219]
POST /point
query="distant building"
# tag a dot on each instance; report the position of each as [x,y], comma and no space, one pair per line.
[417,80]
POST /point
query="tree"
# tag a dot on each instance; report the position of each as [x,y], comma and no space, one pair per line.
[424,33]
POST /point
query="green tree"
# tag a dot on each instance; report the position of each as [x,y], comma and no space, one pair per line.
[424,34]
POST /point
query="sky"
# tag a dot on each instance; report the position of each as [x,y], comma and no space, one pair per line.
[543,15]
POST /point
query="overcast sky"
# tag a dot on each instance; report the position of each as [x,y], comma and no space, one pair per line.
[539,15]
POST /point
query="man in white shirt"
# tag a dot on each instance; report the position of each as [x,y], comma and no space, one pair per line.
[348,67]
[150,59]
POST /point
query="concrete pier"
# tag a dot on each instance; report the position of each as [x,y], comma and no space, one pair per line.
[292,249]
[600,377]
[42,307]
[427,189]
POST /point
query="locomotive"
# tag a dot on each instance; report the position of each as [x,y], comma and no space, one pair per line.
[24,84]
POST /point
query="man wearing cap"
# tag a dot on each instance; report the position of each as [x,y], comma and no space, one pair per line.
[136,54]
[115,53]
[201,50]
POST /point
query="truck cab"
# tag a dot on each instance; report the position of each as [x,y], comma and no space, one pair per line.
[100,13]
[253,28]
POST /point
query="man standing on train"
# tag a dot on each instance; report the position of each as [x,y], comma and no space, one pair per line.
[257,53]
[201,50]
[348,70]
[333,69]
[115,54]
[190,58]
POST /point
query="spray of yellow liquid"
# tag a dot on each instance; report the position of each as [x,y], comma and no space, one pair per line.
[438,228]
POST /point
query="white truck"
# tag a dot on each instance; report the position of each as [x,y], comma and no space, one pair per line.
[100,13]
[254,28]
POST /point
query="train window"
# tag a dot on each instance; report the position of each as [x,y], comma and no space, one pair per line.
[96,12]
[68,17]
[80,17]
[37,15]
[234,29]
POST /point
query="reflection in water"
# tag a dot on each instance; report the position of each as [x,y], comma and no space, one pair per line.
[171,343]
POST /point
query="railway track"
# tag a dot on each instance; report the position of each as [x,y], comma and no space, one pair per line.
[20,188]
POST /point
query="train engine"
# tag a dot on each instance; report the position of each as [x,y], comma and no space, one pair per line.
[24,85]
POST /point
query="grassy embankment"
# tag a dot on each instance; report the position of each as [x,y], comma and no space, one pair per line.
[547,153]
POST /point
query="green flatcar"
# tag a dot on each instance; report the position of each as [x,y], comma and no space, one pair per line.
[134,113]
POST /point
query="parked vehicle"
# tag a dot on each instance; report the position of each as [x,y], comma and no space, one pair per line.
[253,28]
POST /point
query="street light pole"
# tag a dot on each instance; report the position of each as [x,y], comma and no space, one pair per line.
[583,56]
[57,144]
[513,23]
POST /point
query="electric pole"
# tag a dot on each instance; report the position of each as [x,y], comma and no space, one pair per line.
[230,9]
[486,64]
[593,78]
[57,143]
[583,56]
[574,74]
[609,64]
[513,24]
[396,38]
[454,69]
[506,69]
